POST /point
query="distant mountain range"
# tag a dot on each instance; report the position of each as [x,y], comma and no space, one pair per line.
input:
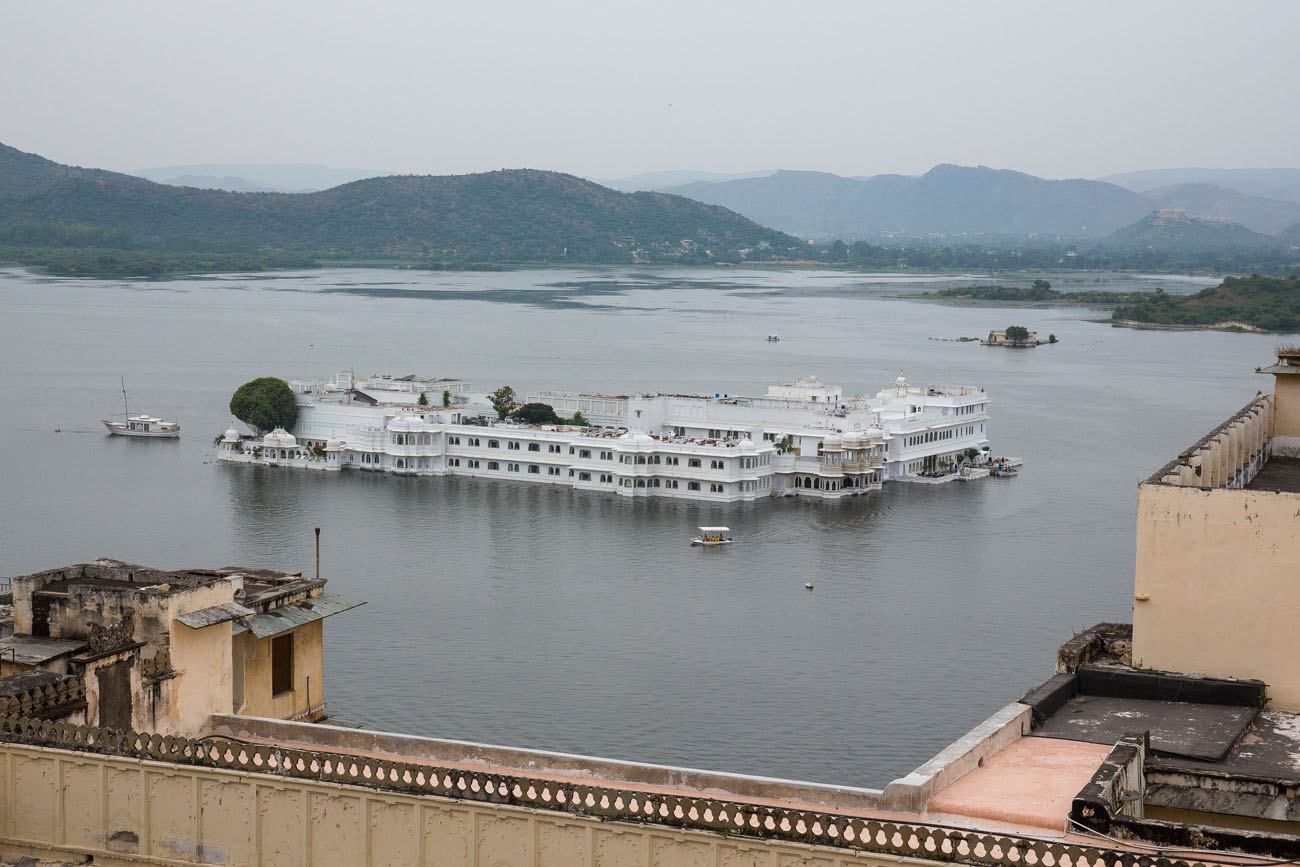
[503,216]
[1280,184]
[257,177]
[651,181]
[976,201]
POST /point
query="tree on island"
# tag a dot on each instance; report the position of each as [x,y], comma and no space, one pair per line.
[503,401]
[446,398]
[1051,338]
[579,420]
[1042,285]
[265,404]
[1017,334]
[424,399]
[536,413]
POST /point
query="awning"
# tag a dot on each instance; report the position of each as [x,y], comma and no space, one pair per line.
[215,614]
[287,617]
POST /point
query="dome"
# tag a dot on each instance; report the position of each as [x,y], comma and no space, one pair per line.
[832,441]
[636,438]
[334,445]
[279,439]
[405,423]
[747,444]
[232,436]
[853,439]
[902,380]
[875,433]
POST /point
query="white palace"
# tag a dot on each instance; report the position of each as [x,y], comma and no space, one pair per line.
[800,439]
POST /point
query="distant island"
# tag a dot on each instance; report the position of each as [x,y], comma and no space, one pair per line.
[1255,303]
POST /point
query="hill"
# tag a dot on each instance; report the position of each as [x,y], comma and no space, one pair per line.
[951,200]
[1259,214]
[650,181]
[1265,303]
[1280,184]
[257,177]
[504,216]
[1173,231]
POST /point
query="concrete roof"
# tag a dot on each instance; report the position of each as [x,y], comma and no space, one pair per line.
[31,650]
[1278,474]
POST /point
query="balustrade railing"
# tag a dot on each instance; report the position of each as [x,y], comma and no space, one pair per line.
[914,840]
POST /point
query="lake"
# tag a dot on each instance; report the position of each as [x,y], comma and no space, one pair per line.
[544,618]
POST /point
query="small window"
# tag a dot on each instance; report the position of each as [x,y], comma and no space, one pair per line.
[692,486]
[533,468]
[534,447]
[282,664]
[494,444]
[693,462]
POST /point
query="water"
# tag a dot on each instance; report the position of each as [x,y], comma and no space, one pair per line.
[535,617]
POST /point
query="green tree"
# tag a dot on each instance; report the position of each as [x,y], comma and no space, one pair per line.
[579,420]
[536,413]
[265,404]
[424,399]
[1042,285]
[446,397]
[1017,333]
[503,401]
[1051,338]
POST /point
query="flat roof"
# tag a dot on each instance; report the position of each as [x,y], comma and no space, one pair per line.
[31,650]
[1278,474]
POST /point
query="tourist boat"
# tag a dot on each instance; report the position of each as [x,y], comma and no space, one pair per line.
[710,536]
[140,425]
[1003,469]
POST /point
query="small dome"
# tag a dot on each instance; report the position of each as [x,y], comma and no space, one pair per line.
[747,444]
[279,439]
[334,445]
[232,436]
[832,441]
[902,380]
[636,437]
[875,433]
[853,439]
[406,422]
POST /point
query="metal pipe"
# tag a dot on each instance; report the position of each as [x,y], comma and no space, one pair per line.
[318,553]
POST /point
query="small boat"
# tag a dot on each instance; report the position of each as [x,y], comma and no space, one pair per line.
[710,536]
[1003,470]
[140,425]
[772,338]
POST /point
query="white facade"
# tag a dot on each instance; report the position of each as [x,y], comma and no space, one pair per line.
[800,439]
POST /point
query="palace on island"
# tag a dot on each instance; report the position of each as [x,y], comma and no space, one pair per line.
[804,438]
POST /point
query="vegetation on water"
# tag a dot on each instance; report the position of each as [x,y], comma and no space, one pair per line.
[1266,303]
[265,404]
[115,262]
[1017,334]
[1039,292]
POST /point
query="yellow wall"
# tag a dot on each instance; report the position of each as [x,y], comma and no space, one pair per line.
[1286,405]
[127,811]
[1217,589]
[308,675]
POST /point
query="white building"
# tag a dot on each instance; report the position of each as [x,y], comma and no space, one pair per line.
[803,438]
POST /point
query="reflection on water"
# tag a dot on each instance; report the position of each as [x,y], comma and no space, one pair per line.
[531,616]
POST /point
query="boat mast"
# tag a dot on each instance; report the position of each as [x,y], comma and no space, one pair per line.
[126,410]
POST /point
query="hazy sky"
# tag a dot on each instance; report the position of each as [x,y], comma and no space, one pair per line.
[613,88]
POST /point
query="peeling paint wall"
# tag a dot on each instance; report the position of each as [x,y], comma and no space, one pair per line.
[137,812]
[1217,590]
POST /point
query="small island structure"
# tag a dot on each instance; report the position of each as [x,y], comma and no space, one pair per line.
[1016,337]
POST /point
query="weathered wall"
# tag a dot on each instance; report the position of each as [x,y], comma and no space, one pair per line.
[1286,415]
[202,687]
[308,676]
[54,801]
[1215,590]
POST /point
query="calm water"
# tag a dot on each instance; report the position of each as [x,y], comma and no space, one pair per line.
[513,614]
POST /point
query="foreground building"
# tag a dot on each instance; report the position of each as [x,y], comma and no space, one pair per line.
[800,439]
[163,651]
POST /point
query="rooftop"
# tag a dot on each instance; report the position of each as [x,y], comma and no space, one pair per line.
[1279,474]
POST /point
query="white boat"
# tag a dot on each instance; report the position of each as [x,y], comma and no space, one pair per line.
[140,425]
[710,536]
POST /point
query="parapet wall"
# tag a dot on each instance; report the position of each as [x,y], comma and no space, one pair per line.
[123,797]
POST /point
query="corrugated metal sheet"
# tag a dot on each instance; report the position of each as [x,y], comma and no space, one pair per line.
[288,617]
[215,614]
[32,650]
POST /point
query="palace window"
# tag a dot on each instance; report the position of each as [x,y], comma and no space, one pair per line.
[494,444]
[514,468]
[692,486]
[554,448]
[586,477]
[585,453]
[715,488]
[717,465]
[693,462]
[534,447]
[514,444]
[493,465]
[533,468]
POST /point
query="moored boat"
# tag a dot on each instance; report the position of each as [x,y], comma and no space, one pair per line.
[710,536]
[140,425]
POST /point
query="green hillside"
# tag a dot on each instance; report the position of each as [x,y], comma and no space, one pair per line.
[1176,231]
[1268,303]
[505,216]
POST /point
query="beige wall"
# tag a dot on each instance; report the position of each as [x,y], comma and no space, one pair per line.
[120,810]
[1217,589]
[202,687]
[308,676]
[1286,411]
